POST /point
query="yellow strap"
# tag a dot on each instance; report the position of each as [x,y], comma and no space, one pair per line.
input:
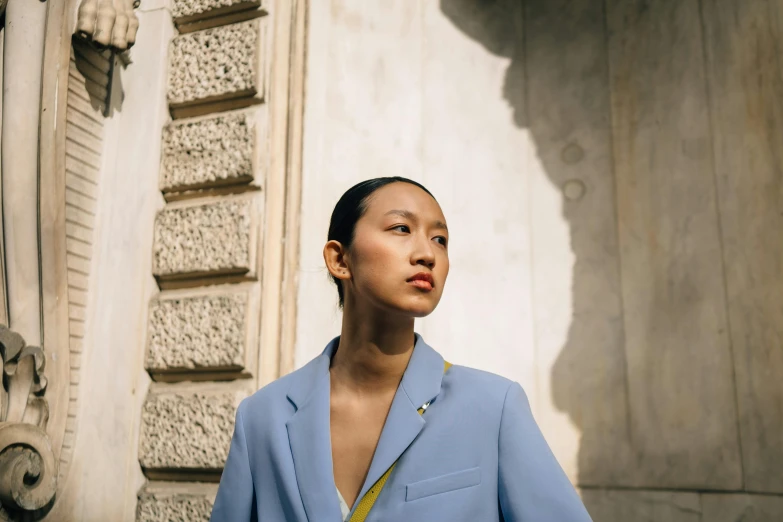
[369,498]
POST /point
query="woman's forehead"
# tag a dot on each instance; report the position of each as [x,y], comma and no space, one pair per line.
[403,199]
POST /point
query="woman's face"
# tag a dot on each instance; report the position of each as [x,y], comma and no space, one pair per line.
[399,260]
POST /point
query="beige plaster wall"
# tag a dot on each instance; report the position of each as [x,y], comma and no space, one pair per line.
[105,475]
[611,180]
[399,90]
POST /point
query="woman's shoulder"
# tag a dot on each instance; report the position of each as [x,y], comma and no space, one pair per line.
[484,394]
[483,385]
[274,396]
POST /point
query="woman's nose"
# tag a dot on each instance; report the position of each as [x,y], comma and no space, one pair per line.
[424,254]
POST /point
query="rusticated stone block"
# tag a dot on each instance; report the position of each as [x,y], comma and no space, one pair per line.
[216,150]
[204,239]
[191,10]
[198,332]
[183,505]
[217,64]
[187,430]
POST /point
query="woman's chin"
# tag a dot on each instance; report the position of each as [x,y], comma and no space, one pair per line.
[417,307]
[396,306]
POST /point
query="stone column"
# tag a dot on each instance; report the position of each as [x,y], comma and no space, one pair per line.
[22,69]
[25,449]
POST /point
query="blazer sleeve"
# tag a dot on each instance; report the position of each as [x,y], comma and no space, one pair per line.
[531,484]
[235,501]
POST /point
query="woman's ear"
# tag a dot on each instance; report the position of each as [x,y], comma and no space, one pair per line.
[335,259]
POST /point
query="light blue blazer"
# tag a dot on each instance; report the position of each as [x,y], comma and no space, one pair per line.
[476,454]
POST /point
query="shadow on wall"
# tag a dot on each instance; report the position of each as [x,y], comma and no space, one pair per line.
[93,72]
[556,86]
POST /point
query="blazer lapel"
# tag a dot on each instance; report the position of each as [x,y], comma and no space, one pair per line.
[420,383]
[309,437]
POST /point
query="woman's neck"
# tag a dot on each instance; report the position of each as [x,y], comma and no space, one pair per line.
[373,353]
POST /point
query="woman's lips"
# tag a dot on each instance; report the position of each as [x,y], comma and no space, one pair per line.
[421,283]
[422,280]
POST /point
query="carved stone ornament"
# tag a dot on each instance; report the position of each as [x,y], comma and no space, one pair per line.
[108,23]
[28,469]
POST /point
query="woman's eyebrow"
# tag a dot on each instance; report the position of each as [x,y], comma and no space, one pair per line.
[407,214]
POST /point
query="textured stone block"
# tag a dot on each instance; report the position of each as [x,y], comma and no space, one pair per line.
[216,150]
[198,332]
[192,10]
[203,239]
[187,429]
[187,503]
[217,64]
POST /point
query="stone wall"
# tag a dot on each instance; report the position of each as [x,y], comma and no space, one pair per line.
[203,326]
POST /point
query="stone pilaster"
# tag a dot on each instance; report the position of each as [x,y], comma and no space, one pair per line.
[204,325]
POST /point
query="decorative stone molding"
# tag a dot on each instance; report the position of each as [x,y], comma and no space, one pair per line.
[28,469]
[163,502]
[213,151]
[217,64]
[187,11]
[188,429]
[201,330]
[108,23]
[90,72]
[196,240]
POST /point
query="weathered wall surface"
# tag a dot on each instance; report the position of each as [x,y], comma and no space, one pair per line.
[611,176]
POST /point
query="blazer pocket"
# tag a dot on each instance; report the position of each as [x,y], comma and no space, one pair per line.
[451,482]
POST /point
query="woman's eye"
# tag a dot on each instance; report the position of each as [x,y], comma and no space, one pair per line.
[402,228]
[442,240]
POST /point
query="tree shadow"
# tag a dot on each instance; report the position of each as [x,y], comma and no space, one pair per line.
[557,88]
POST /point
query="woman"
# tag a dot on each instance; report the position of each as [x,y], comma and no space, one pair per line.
[379,423]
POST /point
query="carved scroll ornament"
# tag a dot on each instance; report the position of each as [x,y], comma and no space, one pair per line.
[108,23]
[28,469]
